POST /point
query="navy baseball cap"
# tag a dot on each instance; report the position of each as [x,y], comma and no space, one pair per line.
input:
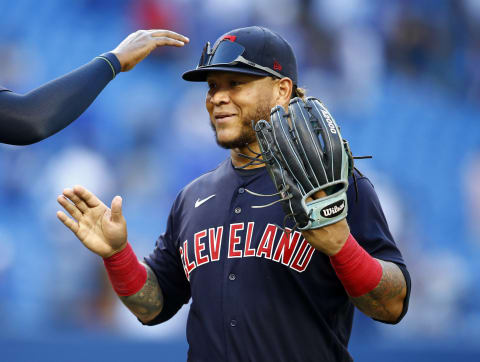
[253,50]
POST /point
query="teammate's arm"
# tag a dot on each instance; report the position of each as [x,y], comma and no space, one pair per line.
[376,287]
[103,230]
[30,118]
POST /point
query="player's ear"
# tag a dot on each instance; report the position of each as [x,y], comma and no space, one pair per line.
[284,91]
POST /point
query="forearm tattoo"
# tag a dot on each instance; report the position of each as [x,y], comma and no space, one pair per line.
[147,303]
[385,302]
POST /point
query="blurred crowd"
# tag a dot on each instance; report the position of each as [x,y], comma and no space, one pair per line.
[400,77]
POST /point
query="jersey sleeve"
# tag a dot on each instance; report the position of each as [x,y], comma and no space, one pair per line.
[166,263]
[368,224]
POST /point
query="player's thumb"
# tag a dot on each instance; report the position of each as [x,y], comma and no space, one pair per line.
[116,209]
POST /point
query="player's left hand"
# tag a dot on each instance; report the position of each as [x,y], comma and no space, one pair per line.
[328,239]
[134,48]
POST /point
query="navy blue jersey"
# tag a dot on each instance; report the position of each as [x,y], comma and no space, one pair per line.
[258,293]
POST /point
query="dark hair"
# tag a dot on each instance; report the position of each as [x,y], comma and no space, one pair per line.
[299,92]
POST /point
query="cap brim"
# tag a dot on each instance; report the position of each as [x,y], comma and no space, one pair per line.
[200,75]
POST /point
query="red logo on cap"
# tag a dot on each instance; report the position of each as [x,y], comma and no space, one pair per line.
[276,65]
[232,38]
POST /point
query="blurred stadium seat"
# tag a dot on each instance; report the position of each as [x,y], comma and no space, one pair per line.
[412,100]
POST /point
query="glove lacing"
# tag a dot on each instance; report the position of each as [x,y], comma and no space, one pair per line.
[261,159]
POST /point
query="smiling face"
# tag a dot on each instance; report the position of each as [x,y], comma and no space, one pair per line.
[233,101]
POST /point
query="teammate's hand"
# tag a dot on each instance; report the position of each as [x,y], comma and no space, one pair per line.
[134,48]
[100,229]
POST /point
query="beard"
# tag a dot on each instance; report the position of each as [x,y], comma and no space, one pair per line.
[247,133]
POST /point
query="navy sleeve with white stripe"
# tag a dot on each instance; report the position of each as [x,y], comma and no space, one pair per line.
[30,118]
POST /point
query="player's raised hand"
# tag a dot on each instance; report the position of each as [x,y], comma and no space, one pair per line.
[134,48]
[100,229]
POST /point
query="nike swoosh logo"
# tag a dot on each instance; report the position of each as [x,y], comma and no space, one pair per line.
[199,202]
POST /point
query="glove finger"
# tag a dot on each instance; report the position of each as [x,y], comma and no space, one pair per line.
[287,150]
[283,182]
[293,206]
[308,144]
[331,137]
[264,133]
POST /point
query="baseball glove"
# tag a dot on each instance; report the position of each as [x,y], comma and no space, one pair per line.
[304,153]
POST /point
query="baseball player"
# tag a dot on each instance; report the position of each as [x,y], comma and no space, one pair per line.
[30,118]
[261,289]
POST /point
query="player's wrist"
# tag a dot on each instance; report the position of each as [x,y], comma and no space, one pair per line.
[341,232]
[358,271]
[329,239]
[335,248]
[113,62]
[115,251]
[125,272]
[121,58]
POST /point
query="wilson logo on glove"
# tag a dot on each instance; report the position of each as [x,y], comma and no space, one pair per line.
[333,209]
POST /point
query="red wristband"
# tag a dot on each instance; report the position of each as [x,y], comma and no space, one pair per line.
[126,274]
[358,271]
